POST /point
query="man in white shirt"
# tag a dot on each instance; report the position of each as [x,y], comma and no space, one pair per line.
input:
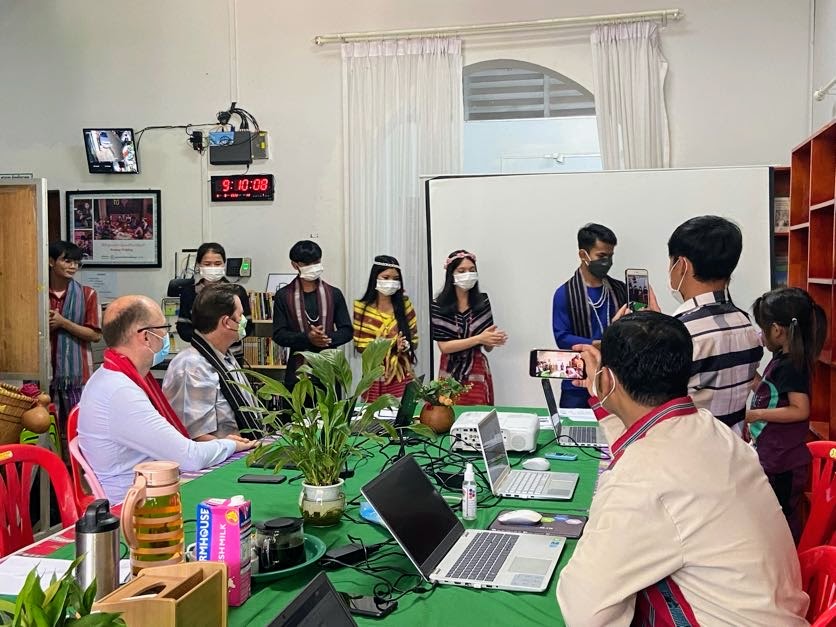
[684,528]
[124,418]
[203,383]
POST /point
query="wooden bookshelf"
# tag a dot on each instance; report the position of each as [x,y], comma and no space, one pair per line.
[812,256]
[261,343]
[780,225]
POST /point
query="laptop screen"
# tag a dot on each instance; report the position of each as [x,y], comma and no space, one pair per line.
[406,411]
[548,392]
[493,448]
[416,514]
[318,605]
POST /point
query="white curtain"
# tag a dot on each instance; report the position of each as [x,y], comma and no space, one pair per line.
[402,118]
[628,72]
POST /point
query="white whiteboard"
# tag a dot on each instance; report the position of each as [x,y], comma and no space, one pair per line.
[523,230]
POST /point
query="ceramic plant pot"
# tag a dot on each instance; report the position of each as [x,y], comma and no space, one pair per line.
[439,418]
[322,505]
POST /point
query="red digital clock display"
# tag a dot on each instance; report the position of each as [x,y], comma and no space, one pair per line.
[240,187]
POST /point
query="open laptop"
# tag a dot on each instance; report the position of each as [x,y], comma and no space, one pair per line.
[406,409]
[436,542]
[318,605]
[571,435]
[520,484]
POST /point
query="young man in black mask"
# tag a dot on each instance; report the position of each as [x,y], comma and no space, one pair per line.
[584,306]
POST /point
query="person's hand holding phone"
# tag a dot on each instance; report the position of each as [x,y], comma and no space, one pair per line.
[652,305]
[592,362]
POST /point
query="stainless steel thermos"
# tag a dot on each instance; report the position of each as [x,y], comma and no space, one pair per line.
[97,538]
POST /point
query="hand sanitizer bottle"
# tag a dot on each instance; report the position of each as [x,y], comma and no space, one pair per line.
[469,494]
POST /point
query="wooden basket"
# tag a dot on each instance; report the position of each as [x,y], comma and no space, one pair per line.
[13,404]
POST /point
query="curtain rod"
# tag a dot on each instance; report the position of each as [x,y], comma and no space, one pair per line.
[662,15]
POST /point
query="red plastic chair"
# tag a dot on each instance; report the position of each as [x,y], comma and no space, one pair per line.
[81,470]
[821,524]
[17,463]
[818,580]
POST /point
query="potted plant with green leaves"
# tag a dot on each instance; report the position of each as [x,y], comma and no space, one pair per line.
[317,433]
[63,604]
[439,397]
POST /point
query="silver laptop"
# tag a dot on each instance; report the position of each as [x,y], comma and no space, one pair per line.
[571,435]
[520,484]
[436,542]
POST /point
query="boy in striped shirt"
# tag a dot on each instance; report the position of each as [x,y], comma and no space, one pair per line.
[704,252]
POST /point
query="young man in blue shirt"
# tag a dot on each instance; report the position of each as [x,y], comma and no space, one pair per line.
[584,306]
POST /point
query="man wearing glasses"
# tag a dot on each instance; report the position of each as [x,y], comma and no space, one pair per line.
[124,418]
[74,325]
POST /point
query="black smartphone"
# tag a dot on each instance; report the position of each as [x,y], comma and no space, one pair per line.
[271,479]
[369,606]
[259,463]
[638,288]
[556,364]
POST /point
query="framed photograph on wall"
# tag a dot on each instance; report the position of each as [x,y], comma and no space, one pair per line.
[116,229]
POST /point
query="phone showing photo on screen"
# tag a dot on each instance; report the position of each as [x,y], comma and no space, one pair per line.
[556,364]
[638,288]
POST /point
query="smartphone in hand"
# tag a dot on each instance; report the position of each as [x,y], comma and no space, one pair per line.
[638,288]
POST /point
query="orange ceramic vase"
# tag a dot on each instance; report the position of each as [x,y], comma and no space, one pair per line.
[439,418]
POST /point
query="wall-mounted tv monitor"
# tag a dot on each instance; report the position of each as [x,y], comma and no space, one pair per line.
[111,151]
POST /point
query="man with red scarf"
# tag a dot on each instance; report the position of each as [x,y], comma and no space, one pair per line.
[124,418]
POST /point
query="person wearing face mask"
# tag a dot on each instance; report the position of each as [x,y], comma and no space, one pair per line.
[584,306]
[124,417]
[385,311]
[462,325]
[684,528]
[203,382]
[703,253]
[308,313]
[210,269]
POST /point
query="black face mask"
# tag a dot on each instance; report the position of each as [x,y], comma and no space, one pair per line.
[599,268]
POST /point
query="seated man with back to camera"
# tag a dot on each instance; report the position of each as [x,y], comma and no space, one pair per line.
[203,383]
[124,418]
[684,528]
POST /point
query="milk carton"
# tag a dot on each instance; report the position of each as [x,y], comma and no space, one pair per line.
[224,528]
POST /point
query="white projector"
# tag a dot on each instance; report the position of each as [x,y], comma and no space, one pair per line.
[519,431]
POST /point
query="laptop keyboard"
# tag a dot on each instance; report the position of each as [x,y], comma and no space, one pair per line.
[582,435]
[526,482]
[483,557]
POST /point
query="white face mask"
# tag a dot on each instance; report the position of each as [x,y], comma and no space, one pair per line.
[311,272]
[596,392]
[675,290]
[212,273]
[465,280]
[387,288]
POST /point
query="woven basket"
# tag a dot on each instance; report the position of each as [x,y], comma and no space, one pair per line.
[13,404]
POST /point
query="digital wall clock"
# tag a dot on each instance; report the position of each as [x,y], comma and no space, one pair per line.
[241,187]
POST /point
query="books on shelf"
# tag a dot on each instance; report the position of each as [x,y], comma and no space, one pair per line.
[261,305]
[263,351]
[782,214]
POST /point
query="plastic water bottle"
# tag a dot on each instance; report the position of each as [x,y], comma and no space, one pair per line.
[469,494]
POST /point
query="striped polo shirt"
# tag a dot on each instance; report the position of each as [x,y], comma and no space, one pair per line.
[727,353]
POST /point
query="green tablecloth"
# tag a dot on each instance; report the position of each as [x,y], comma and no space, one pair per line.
[444,605]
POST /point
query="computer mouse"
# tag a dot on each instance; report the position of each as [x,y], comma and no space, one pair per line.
[520,517]
[536,463]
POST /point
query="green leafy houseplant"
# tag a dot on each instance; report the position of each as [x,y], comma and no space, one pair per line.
[63,603]
[442,391]
[318,437]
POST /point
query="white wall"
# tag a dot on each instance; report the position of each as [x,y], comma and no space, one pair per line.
[824,61]
[738,95]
